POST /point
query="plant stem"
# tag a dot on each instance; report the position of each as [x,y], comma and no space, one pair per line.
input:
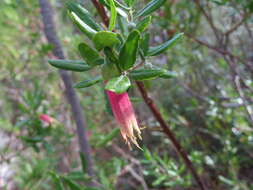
[155,111]
[166,129]
[101,10]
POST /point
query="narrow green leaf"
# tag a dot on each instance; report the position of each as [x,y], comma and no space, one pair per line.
[163,47]
[90,55]
[31,139]
[83,14]
[119,84]
[145,43]
[113,15]
[77,175]
[159,180]
[105,39]
[123,25]
[111,55]
[118,4]
[121,12]
[83,162]
[143,24]
[70,65]
[169,74]
[129,2]
[57,181]
[150,7]
[86,29]
[146,74]
[108,138]
[128,52]
[71,184]
[88,83]
[109,70]
[226,180]
[105,3]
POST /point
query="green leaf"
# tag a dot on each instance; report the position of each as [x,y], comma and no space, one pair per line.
[88,83]
[150,7]
[57,181]
[128,52]
[71,184]
[90,55]
[83,162]
[111,55]
[121,12]
[129,2]
[77,175]
[105,39]
[226,180]
[83,14]
[32,139]
[146,74]
[119,84]
[113,15]
[143,24]
[109,70]
[108,138]
[169,74]
[70,65]
[118,4]
[159,180]
[86,29]
[144,44]
[163,47]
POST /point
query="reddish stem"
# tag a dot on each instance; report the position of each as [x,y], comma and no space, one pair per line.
[101,10]
[166,129]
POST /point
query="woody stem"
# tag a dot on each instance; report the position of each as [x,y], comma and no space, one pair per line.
[155,111]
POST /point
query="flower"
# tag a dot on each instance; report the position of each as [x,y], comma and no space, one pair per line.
[124,114]
[46,118]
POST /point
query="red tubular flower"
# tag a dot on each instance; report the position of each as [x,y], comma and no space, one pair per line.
[124,114]
[46,118]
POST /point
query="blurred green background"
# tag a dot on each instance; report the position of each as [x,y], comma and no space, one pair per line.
[207,108]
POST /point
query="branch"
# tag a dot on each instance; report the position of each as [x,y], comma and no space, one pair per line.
[233,28]
[223,52]
[49,30]
[208,18]
[244,99]
[101,10]
[169,133]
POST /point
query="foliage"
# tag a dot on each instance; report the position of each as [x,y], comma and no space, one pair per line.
[201,101]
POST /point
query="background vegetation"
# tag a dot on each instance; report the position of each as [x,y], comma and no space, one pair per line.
[208,106]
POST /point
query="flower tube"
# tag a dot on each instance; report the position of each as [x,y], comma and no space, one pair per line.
[124,114]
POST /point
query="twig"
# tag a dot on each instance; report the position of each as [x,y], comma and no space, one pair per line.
[101,10]
[170,134]
[233,28]
[242,96]
[223,52]
[134,162]
[220,51]
[208,18]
